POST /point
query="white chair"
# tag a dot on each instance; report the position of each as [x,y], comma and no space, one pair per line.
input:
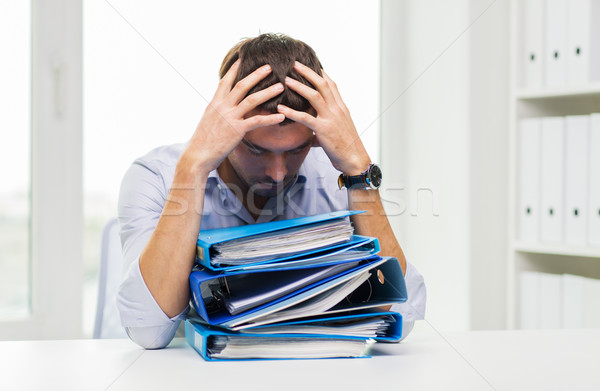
[108,321]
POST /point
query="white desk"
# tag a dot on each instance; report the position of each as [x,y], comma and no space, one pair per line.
[484,360]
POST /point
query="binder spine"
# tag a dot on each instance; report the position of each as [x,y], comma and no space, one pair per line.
[203,254]
[196,340]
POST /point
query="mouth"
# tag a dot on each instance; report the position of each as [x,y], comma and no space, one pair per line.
[269,186]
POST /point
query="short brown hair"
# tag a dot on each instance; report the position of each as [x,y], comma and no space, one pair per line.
[280,52]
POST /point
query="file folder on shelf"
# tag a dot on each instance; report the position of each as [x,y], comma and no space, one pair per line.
[372,283]
[591,310]
[209,241]
[529,300]
[583,45]
[594,182]
[318,337]
[533,44]
[576,179]
[573,301]
[555,58]
[552,184]
[529,180]
[550,300]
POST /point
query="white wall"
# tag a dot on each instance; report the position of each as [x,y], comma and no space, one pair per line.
[489,124]
[432,139]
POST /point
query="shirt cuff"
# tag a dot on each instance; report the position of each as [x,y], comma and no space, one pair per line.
[137,306]
[156,337]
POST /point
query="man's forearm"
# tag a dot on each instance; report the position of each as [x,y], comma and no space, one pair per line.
[168,258]
[375,222]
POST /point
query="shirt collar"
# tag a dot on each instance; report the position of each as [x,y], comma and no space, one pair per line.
[225,194]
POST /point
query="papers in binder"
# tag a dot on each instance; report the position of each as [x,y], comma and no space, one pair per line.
[313,306]
[247,291]
[243,347]
[322,336]
[287,242]
[376,326]
[275,241]
[357,248]
[384,286]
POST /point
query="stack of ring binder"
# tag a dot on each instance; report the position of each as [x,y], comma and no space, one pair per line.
[300,288]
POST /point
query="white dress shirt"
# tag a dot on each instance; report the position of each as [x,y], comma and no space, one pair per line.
[143,193]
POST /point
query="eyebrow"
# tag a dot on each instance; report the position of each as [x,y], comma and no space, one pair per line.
[260,149]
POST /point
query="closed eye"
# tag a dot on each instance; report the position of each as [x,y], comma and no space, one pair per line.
[298,151]
[253,149]
[258,151]
[302,148]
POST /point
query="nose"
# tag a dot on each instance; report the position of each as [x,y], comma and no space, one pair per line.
[276,168]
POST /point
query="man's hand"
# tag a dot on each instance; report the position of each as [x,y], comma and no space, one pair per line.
[333,126]
[337,134]
[168,258]
[224,122]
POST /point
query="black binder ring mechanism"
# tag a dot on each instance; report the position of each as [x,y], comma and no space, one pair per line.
[363,293]
[224,286]
[219,293]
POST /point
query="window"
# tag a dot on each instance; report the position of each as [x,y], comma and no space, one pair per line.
[40,251]
[15,157]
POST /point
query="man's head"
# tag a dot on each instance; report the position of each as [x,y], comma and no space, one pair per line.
[280,52]
[268,158]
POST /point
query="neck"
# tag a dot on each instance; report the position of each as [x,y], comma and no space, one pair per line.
[234,182]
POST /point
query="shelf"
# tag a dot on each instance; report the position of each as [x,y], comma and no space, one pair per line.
[588,90]
[550,249]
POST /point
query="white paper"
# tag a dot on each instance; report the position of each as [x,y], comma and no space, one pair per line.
[242,347]
[281,243]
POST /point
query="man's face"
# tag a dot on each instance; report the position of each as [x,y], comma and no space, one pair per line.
[268,158]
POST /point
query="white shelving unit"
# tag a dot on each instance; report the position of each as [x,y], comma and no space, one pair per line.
[529,103]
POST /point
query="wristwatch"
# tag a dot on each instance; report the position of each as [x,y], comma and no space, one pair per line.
[369,179]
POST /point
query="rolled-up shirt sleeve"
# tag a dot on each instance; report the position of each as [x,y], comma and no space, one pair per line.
[141,199]
[414,307]
[144,320]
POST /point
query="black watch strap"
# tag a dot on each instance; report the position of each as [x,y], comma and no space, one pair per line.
[352,181]
[369,179]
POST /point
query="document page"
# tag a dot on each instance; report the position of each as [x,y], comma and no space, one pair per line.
[239,347]
[247,291]
[280,243]
[313,306]
[371,327]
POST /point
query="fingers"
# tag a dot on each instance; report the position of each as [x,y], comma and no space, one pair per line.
[257,121]
[258,98]
[312,96]
[335,91]
[320,83]
[298,116]
[226,82]
[243,86]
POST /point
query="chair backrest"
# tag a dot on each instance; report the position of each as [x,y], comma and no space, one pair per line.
[108,321]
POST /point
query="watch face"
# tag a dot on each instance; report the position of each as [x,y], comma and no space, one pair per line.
[341,182]
[375,176]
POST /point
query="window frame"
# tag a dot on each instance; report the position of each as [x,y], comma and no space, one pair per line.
[56,175]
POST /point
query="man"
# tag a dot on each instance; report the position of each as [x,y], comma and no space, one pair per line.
[270,146]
